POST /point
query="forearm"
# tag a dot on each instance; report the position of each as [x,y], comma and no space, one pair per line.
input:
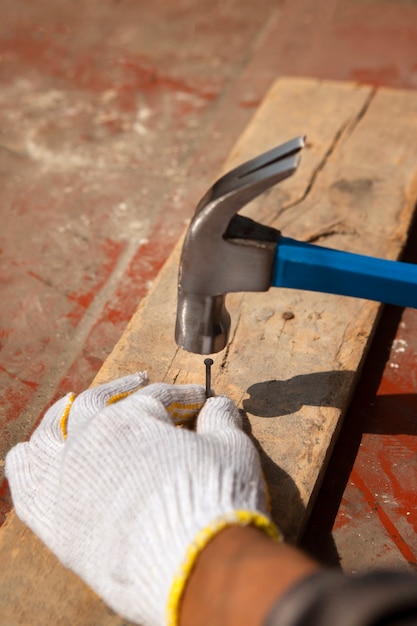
[244,578]
[239,576]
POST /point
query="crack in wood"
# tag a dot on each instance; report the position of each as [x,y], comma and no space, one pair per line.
[230,342]
[167,375]
[337,228]
[346,128]
[316,171]
[351,127]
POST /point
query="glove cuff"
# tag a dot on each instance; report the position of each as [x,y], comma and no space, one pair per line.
[239,517]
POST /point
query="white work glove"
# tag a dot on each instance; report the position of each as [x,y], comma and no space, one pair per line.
[126,499]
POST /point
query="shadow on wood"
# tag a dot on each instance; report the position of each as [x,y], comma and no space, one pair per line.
[273,398]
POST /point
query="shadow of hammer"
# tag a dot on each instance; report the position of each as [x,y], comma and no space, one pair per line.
[225,252]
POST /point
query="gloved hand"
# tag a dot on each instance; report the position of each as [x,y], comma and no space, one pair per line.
[126,499]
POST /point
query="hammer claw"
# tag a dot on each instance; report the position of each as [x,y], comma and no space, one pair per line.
[269,167]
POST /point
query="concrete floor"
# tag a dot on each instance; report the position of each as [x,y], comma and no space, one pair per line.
[115,116]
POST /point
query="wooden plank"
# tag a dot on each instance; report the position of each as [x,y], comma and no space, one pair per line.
[356,190]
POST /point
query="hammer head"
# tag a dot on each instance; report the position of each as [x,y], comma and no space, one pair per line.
[225,252]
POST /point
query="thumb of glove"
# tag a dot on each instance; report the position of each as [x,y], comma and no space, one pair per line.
[182,402]
[219,414]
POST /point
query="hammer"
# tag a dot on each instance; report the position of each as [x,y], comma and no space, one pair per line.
[226,252]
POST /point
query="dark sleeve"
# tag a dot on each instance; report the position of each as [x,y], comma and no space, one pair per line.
[334,599]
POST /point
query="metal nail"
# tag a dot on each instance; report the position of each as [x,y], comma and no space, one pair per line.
[208,363]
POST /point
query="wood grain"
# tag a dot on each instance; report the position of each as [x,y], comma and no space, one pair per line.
[294,357]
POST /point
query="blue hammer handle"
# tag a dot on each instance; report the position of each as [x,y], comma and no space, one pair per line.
[306,266]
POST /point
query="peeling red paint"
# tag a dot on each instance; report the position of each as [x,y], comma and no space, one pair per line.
[112,250]
[132,287]
[13,401]
[143,268]
[403,491]
[28,383]
[377,76]
[49,53]
[83,299]
[386,521]
[343,518]
[140,74]
[249,104]
[40,50]
[4,333]
[5,500]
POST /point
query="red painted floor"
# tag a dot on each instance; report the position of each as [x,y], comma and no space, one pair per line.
[115,116]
